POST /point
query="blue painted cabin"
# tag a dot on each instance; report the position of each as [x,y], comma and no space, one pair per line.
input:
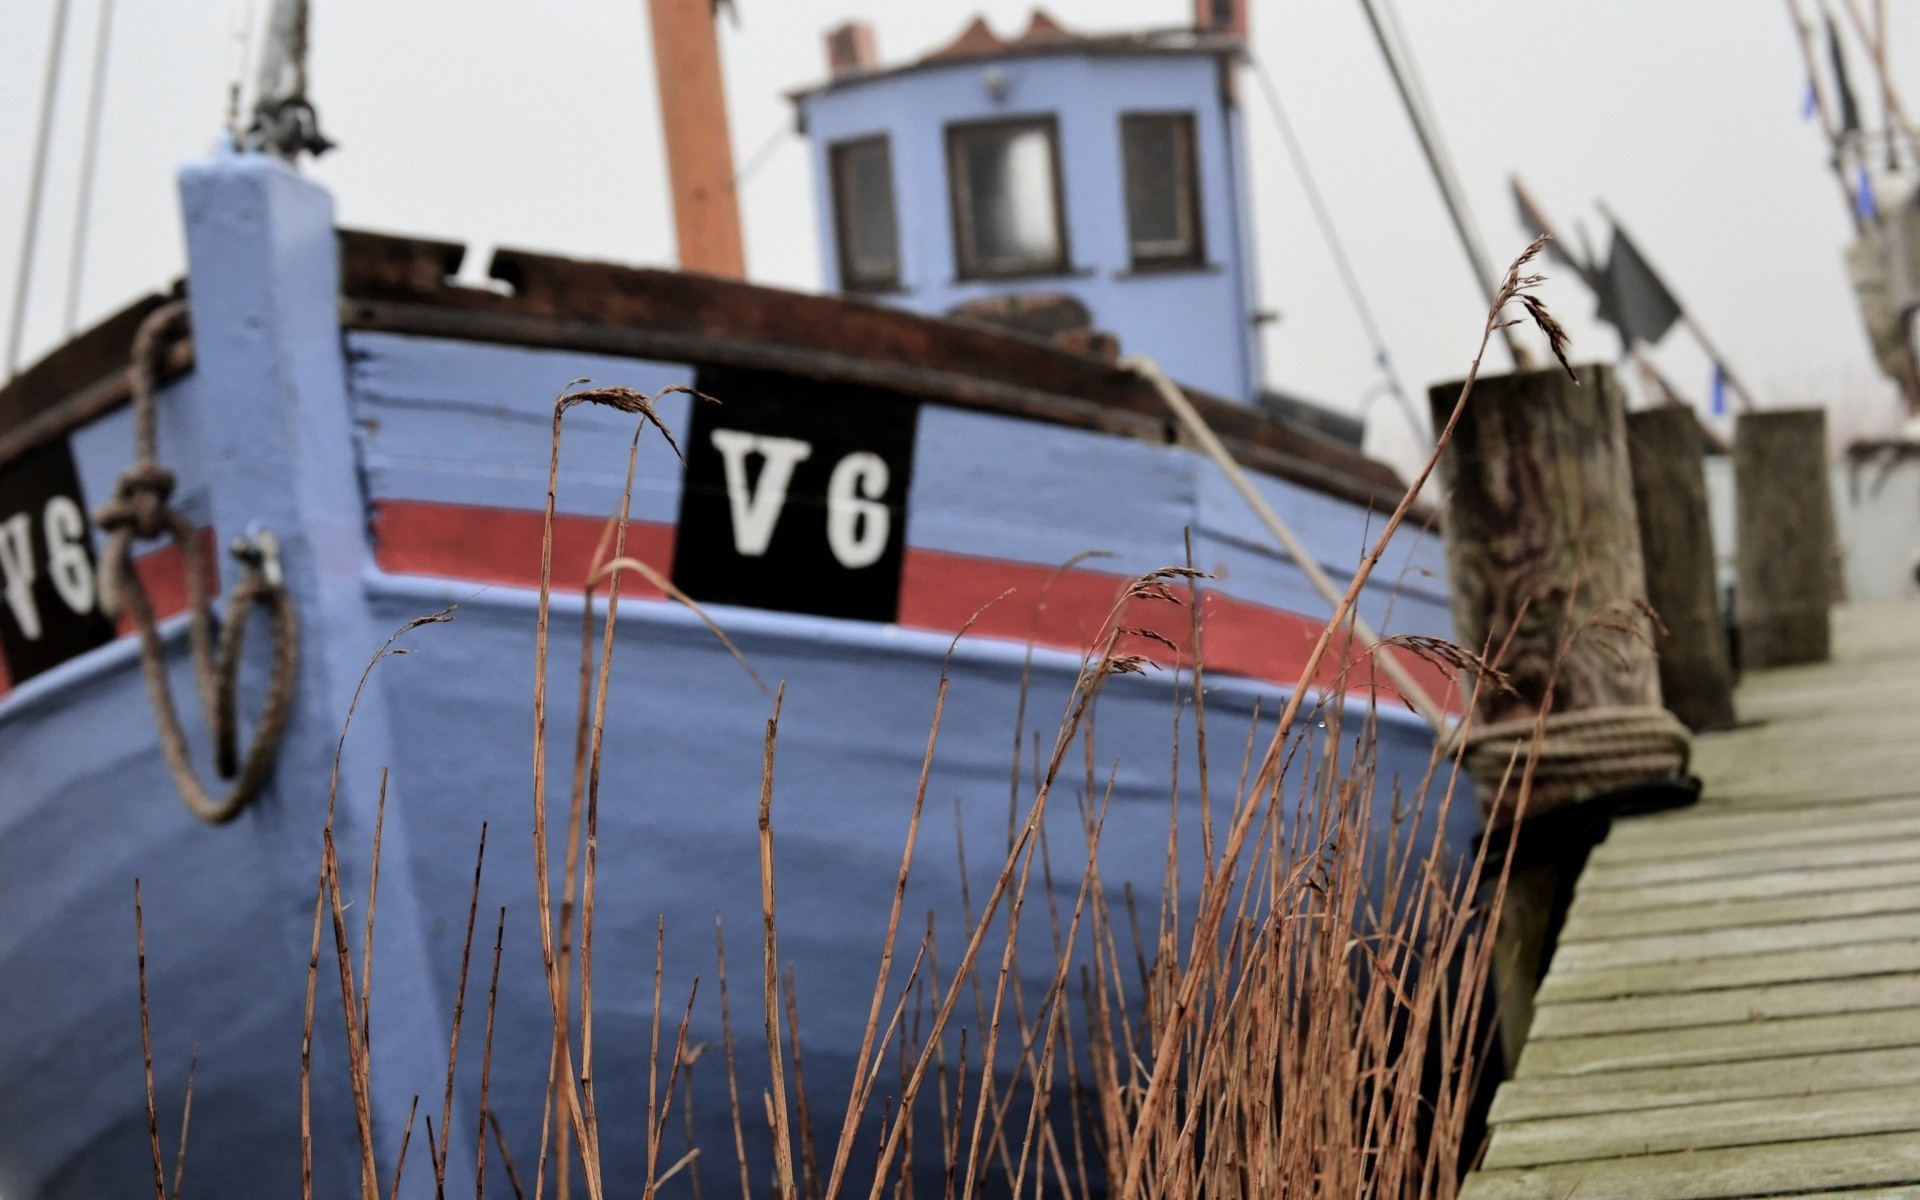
[391,428]
[994,168]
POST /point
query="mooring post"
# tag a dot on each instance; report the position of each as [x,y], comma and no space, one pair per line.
[1543,556]
[1783,591]
[1666,448]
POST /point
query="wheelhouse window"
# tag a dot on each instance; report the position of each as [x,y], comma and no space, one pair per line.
[1163,190]
[1005,180]
[869,233]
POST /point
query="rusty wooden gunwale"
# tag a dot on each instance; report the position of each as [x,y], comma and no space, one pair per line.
[403,285]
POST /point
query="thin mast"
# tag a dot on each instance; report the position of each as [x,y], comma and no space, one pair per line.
[1836,142]
[31,232]
[1877,50]
[1483,273]
[693,116]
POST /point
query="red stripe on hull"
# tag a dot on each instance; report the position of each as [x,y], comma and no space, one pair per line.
[502,545]
[1067,610]
[939,592]
[163,574]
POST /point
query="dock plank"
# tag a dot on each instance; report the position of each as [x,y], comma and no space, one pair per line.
[1738,941]
[1733,1008]
[1780,1168]
[1705,1126]
[1702,915]
[1721,1043]
[1706,1083]
[1604,876]
[1787,966]
[1723,1006]
[1775,884]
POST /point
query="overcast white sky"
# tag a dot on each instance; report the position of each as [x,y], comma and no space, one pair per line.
[495,121]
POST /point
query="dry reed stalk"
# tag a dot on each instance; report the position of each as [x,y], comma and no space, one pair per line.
[506,1156]
[1206,932]
[439,1156]
[1109,661]
[653,1049]
[366,939]
[777,1095]
[659,1123]
[486,1062]
[186,1120]
[862,1079]
[359,1065]
[596,741]
[733,1077]
[306,1046]
[406,1139]
[809,1154]
[146,1048]
[631,402]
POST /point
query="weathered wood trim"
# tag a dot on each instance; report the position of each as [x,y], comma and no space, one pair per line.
[75,409]
[83,379]
[401,285]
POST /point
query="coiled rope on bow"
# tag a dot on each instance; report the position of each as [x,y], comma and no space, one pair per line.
[1582,754]
[141,509]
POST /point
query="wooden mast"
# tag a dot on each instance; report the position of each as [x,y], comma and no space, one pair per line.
[693,115]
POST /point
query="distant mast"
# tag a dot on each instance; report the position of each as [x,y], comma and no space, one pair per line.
[693,117]
[284,122]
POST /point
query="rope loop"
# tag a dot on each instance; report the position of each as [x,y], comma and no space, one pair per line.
[1582,754]
[140,502]
[142,509]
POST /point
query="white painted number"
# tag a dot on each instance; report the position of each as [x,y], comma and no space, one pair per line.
[67,560]
[857,523]
[757,509]
[69,567]
[16,569]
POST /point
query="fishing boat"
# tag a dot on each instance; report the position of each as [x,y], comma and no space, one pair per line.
[328,425]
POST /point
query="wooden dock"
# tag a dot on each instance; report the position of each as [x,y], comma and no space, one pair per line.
[1734,1007]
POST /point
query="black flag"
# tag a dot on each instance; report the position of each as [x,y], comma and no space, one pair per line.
[1632,298]
[1849,110]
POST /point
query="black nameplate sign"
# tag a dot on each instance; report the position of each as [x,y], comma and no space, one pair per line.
[49,598]
[795,496]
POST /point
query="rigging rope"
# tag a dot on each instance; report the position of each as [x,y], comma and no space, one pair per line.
[89,154]
[36,184]
[140,509]
[1349,278]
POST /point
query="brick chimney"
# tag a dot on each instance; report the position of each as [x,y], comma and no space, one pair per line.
[1221,16]
[851,50]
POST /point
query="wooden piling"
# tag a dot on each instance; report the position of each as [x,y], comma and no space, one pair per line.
[1666,449]
[1784,511]
[1541,537]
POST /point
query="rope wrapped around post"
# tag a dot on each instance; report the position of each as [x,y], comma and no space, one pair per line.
[1583,754]
[141,509]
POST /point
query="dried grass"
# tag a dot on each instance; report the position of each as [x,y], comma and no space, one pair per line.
[1306,1020]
